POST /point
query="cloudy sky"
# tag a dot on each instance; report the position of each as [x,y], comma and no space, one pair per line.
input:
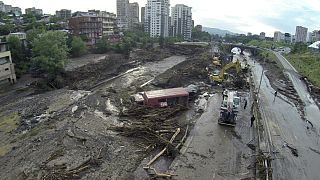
[238,16]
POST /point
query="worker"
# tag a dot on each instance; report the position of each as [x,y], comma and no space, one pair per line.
[245,103]
[252,120]
[275,95]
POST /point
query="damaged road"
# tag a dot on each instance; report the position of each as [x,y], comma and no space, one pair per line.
[290,138]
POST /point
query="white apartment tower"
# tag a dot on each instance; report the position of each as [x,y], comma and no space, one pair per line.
[157,18]
[301,34]
[181,21]
[122,14]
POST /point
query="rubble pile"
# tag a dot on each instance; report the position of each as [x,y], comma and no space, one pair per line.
[153,126]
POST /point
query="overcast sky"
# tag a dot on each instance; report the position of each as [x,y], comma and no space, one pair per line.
[238,16]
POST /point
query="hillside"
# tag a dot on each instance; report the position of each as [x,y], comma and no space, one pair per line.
[220,32]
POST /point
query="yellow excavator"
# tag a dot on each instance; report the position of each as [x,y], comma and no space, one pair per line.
[220,77]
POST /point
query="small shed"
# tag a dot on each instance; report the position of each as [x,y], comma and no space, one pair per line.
[166,97]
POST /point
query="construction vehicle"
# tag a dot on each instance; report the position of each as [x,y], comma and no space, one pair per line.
[220,77]
[229,108]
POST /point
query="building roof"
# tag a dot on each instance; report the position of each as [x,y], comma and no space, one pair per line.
[174,92]
[315,45]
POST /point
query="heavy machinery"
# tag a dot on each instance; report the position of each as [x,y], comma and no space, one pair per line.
[229,108]
[220,77]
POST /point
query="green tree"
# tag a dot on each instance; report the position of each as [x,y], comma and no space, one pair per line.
[78,47]
[299,47]
[50,52]
[102,46]
[18,55]
[6,29]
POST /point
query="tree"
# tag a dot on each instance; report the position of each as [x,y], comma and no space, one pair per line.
[6,29]
[50,52]
[299,47]
[18,55]
[102,45]
[78,47]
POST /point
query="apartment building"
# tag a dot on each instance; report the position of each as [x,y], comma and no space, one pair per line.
[262,36]
[108,21]
[181,21]
[143,10]
[34,11]
[278,36]
[301,34]
[9,9]
[157,18]
[123,14]
[87,24]
[64,14]
[7,71]
[133,18]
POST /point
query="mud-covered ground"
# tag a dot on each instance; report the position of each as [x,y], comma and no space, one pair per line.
[281,82]
[68,133]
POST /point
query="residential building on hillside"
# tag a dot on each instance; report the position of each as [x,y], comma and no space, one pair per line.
[143,10]
[9,9]
[87,24]
[301,34]
[262,35]
[16,11]
[277,36]
[133,19]
[34,11]
[157,18]
[64,14]
[181,21]
[123,14]
[7,71]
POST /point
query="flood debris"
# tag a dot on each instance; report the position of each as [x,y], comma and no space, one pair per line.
[263,165]
[152,125]
[293,150]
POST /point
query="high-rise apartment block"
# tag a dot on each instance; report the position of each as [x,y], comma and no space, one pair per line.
[277,36]
[181,21]
[133,18]
[123,14]
[157,18]
[301,34]
[64,14]
[143,10]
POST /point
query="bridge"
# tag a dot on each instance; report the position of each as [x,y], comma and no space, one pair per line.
[253,50]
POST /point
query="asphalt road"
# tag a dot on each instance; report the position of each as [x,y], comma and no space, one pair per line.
[284,126]
[213,151]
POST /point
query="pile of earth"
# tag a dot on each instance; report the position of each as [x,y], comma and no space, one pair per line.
[188,72]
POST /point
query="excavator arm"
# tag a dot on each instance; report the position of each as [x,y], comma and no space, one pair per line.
[220,77]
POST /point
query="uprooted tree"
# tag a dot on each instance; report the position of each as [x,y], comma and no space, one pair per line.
[50,52]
